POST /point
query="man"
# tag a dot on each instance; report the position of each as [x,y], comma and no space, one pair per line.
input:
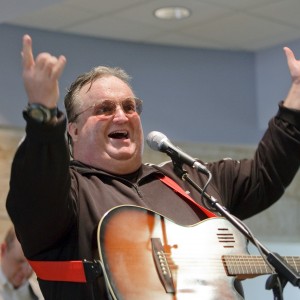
[67,199]
[16,281]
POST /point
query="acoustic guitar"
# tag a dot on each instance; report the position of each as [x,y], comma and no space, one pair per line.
[146,256]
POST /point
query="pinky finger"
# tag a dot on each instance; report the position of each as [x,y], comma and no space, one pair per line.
[59,67]
[289,53]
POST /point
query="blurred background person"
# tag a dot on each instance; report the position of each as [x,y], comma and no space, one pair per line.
[17,280]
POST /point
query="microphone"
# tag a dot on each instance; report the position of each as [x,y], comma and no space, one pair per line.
[159,142]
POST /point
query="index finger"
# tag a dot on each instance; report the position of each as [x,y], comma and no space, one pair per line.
[27,55]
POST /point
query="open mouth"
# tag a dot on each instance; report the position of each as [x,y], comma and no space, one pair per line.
[119,134]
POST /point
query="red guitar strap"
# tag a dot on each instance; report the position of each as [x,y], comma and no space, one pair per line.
[59,270]
[172,184]
[86,271]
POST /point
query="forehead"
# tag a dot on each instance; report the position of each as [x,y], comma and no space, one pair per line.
[108,87]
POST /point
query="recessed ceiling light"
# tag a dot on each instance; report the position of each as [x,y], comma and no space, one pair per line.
[172,13]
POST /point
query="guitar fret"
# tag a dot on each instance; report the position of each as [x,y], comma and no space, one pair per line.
[236,264]
[244,265]
[293,262]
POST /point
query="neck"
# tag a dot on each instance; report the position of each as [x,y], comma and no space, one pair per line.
[114,167]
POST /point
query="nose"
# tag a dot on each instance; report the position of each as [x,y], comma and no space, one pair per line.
[120,114]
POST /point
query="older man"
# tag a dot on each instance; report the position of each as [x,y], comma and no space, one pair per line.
[65,199]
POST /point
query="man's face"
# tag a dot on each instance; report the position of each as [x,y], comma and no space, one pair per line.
[14,264]
[113,142]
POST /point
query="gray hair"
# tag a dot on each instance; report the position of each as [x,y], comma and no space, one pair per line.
[71,101]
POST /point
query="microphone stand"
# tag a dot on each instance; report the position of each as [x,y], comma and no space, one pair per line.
[285,272]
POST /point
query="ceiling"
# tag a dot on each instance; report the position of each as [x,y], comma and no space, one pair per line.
[220,24]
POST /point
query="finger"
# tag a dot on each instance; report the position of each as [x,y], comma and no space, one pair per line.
[290,56]
[27,55]
[59,66]
[45,61]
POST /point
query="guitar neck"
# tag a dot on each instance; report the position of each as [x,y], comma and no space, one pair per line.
[246,266]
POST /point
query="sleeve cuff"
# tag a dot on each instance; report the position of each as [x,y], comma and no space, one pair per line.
[45,131]
[292,116]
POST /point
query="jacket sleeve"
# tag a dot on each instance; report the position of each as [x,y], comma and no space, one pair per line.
[38,201]
[251,185]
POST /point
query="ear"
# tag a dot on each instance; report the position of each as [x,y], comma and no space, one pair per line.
[73,131]
[3,249]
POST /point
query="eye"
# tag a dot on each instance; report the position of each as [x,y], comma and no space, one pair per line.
[105,108]
[129,106]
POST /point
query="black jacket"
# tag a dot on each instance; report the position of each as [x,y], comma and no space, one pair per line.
[56,204]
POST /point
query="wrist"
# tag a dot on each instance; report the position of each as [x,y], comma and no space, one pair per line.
[292,100]
[41,113]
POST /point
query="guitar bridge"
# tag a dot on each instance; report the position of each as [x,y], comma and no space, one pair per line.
[162,266]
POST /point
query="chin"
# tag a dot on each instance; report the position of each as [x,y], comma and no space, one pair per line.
[123,157]
[124,153]
[121,154]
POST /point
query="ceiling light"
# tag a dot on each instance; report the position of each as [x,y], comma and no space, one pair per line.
[172,13]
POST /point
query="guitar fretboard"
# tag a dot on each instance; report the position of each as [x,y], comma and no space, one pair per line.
[253,265]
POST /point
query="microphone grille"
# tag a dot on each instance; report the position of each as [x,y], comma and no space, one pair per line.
[154,140]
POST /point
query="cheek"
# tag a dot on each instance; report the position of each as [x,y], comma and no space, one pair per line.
[92,138]
[92,131]
[138,130]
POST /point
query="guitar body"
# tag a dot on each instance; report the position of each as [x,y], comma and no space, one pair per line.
[146,256]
